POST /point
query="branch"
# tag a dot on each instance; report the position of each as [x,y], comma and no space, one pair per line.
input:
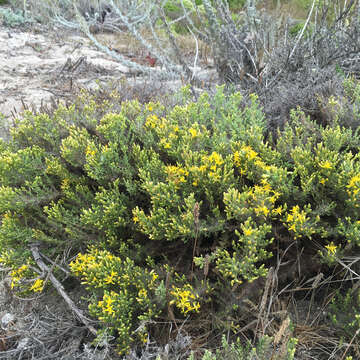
[303,29]
[170,67]
[60,289]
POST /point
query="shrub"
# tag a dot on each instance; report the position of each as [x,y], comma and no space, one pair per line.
[126,295]
[145,192]
[344,312]
[13,18]
[237,351]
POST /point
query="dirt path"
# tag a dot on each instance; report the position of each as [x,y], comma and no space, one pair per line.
[37,65]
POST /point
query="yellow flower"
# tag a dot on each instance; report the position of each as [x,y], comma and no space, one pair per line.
[108,300]
[22,268]
[262,209]
[331,248]
[250,153]
[89,151]
[150,108]
[354,184]
[237,158]
[278,210]
[216,158]
[142,293]
[38,285]
[109,310]
[193,133]
[185,299]
[247,231]
[110,278]
[325,164]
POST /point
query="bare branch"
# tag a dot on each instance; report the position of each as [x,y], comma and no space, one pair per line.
[60,289]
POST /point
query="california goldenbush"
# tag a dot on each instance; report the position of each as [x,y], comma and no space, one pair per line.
[285,62]
[171,211]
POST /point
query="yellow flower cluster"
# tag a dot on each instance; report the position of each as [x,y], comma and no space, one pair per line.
[38,285]
[168,133]
[176,175]
[212,164]
[17,275]
[245,151]
[154,122]
[110,279]
[255,202]
[331,248]
[185,299]
[128,293]
[85,263]
[101,269]
[193,132]
[6,255]
[248,161]
[353,189]
[299,222]
[211,168]
[326,165]
[90,150]
[106,304]
[263,199]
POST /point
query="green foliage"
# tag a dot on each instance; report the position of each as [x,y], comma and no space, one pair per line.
[174,8]
[236,4]
[304,4]
[238,351]
[345,312]
[13,18]
[197,180]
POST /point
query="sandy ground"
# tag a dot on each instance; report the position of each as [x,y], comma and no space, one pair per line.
[37,65]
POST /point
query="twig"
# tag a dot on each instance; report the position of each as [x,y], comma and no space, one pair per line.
[349,345]
[268,286]
[55,264]
[303,30]
[196,213]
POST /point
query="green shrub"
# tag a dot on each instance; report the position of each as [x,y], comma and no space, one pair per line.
[124,295]
[150,190]
[345,313]
[262,351]
[236,4]
[13,18]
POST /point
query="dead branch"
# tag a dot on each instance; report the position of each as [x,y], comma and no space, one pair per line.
[60,289]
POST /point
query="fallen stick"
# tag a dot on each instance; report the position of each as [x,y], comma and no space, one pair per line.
[60,289]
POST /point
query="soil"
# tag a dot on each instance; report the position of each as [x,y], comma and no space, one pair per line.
[38,64]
